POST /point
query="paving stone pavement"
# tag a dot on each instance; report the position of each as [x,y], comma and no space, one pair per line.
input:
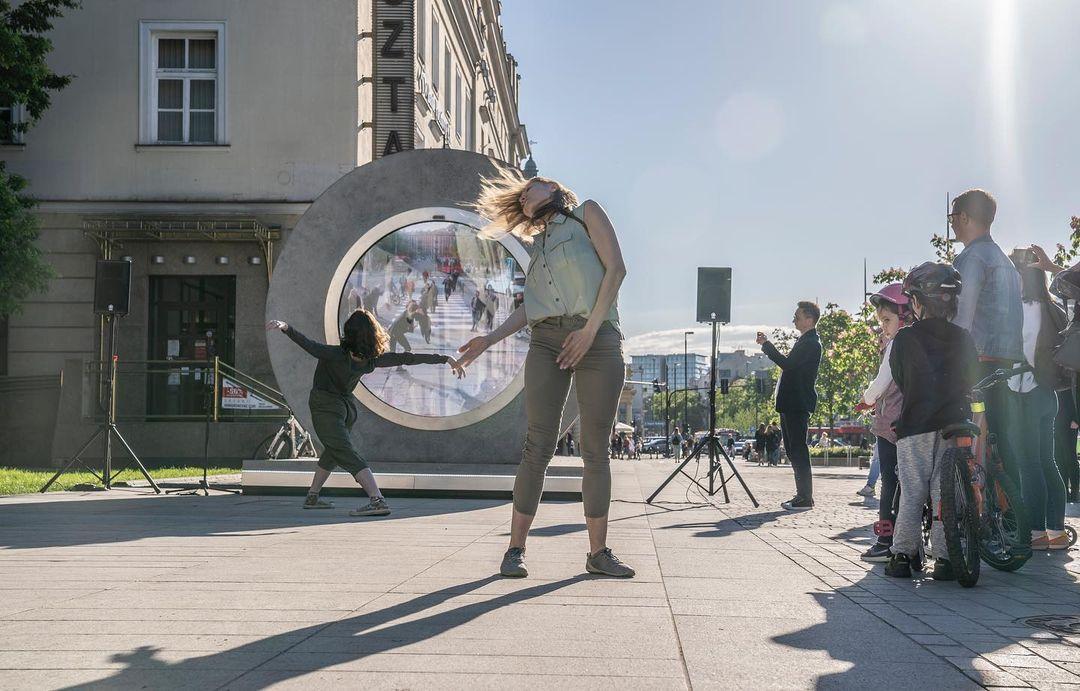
[240,592]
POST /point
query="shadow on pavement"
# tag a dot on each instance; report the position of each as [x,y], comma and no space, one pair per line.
[364,640]
[79,520]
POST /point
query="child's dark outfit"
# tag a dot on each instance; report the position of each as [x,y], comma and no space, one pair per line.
[333,406]
[933,365]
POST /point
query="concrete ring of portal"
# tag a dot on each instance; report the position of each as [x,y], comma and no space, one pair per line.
[347,268]
[347,222]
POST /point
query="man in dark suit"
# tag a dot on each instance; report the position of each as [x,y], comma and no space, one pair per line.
[796,399]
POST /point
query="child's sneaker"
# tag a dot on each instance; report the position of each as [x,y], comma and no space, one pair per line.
[899,566]
[1039,540]
[375,507]
[879,553]
[313,502]
[867,491]
[943,570]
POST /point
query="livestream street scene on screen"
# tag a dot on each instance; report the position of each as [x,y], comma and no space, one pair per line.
[431,344]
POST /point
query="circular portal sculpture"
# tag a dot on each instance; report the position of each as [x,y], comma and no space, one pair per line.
[396,237]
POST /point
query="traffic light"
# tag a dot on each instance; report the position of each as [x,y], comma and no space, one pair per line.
[656,385]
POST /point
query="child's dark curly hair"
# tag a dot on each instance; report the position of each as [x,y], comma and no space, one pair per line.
[364,336]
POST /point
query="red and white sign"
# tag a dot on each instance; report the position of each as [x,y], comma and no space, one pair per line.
[235,396]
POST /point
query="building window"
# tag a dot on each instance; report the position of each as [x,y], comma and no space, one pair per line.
[470,122]
[447,66]
[457,105]
[11,114]
[183,83]
[421,29]
[435,53]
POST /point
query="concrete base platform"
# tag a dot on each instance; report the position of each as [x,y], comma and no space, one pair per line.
[490,481]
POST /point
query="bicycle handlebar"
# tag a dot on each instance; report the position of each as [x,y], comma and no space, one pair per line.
[1000,376]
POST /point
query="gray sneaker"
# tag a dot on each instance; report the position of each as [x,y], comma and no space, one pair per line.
[606,563]
[513,563]
[313,502]
[375,507]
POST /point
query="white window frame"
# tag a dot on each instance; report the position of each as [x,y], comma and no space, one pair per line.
[18,116]
[149,33]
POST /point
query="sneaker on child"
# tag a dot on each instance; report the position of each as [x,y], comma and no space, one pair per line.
[313,502]
[879,553]
[375,507]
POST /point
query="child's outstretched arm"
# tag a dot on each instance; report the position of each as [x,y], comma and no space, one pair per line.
[399,359]
[319,350]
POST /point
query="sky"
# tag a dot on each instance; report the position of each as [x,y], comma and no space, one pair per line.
[792,140]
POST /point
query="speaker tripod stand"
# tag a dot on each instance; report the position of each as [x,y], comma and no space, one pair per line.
[711,445]
[204,485]
[108,428]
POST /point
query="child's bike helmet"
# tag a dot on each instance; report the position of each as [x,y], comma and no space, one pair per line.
[932,281]
[893,294]
[1066,284]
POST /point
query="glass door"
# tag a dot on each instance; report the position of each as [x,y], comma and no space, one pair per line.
[192,319]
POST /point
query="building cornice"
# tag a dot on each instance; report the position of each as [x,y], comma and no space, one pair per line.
[170,207]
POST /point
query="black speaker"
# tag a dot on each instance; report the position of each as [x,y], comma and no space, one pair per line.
[112,286]
[714,294]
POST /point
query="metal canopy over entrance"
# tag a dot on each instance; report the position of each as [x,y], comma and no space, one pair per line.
[112,233]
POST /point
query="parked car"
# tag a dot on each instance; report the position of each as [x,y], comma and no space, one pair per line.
[656,446]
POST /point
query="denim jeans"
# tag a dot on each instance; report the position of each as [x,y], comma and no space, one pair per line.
[1040,482]
[875,469]
[890,485]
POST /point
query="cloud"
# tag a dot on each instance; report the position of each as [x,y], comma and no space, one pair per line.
[732,337]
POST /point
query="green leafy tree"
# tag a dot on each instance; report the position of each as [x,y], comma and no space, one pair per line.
[943,249]
[697,410]
[25,78]
[744,406]
[891,275]
[849,357]
[1065,255]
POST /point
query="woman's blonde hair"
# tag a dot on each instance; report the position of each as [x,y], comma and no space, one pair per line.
[500,203]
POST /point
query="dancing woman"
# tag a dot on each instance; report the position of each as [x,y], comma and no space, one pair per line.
[571,290]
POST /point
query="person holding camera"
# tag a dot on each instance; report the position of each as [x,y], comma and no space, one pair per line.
[796,399]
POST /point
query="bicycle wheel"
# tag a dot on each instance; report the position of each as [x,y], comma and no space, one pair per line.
[958,517]
[1005,540]
[263,450]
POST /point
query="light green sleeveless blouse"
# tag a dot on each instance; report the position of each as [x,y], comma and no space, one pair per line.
[564,272]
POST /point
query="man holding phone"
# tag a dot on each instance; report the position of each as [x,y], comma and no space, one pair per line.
[796,399]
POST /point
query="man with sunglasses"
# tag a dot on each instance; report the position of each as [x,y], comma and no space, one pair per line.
[990,309]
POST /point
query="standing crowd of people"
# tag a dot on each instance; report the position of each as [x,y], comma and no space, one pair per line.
[943,329]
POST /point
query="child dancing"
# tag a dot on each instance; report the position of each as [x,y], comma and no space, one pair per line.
[363,347]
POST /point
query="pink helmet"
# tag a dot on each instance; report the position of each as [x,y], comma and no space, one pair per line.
[893,293]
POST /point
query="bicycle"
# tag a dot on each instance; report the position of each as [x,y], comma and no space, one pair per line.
[981,508]
[290,441]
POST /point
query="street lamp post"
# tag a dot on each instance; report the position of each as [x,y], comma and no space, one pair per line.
[676,368]
[686,373]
